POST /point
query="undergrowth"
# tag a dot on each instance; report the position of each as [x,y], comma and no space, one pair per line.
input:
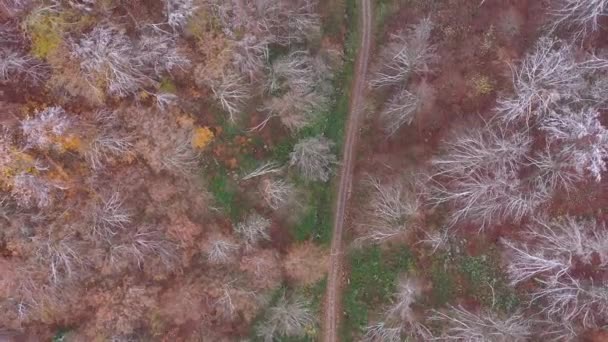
[373,275]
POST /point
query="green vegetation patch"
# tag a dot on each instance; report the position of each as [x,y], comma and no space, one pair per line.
[46,32]
[443,281]
[486,283]
[372,283]
[225,194]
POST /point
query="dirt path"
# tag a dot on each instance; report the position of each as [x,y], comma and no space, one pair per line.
[333,311]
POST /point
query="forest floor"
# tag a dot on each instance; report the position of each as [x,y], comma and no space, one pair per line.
[332,303]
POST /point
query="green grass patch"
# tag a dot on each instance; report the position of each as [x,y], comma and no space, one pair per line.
[372,283]
[225,194]
[316,223]
[45,30]
[486,283]
[443,281]
[167,86]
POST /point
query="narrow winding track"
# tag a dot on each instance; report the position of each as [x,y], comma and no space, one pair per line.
[333,311]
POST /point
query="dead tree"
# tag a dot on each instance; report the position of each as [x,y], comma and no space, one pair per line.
[488,148]
[299,83]
[557,246]
[400,322]
[253,230]
[144,244]
[400,110]
[43,130]
[232,92]
[33,191]
[178,12]
[581,133]
[546,76]
[13,64]
[276,192]
[180,158]
[289,317]
[461,324]
[64,257]
[580,16]
[314,158]
[221,251]
[109,216]
[127,65]
[487,198]
[407,52]
[393,210]
[107,143]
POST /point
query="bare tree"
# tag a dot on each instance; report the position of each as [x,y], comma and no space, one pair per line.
[583,135]
[289,317]
[581,16]
[573,300]
[264,169]
[300,82]
[178,12]
[13,63]
[253,229]
[487,197]
[393,209]
[276,192]
[109,216]
[108,52]
[107,143]
[488,148]
[64,256]
[547,75]
[157,52]
[558,245]
[145,243]
[250,53]
[232,92]
[42,130]
[400,110]
[221,251]
[463,325]
[180,158]
[31,190]
[408,52]
[314,158]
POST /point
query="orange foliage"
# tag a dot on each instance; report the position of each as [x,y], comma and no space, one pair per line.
[201,137]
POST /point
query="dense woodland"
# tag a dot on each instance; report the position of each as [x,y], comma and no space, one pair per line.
[154,167]
[167,169]
[503,211]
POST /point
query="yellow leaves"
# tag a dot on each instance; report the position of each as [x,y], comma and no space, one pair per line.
[482,84]
[201,137]
[70,143]
[45,30]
